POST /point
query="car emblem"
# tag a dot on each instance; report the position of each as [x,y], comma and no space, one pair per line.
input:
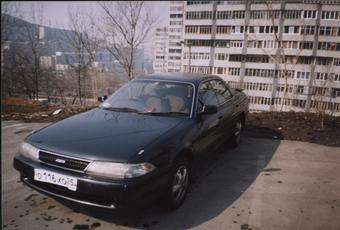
[60,161]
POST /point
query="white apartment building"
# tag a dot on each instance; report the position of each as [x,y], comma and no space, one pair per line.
[284,54]
[175,36]
[160,50]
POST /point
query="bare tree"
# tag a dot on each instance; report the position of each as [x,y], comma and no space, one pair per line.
[84,44]
[323,93]
[35,36]
[17,68]
[126,26]
[285,63]
[8,9]
[21,66]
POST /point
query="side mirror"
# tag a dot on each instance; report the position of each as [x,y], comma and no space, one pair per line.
[209,109]
[102,98]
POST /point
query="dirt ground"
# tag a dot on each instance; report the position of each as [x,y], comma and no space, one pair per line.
[285,125]
[304,127]
[36,111]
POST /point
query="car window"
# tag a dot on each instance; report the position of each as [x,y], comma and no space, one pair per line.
[223,93]
[207,95]
[153,96]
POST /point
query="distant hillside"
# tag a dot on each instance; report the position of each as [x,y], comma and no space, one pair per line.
[21,30]
[55,39]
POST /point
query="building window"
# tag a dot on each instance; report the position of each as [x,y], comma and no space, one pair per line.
[309,14]
[175,51]
[176,15]
[237,29]
[236,44]
[263,29]
[191,29]
[219,70]
[306,45]
[291,29]
[323,61]
[197,56]
[292,14]
[198,69]
[268,73]
[222,43]
[230,14]
[335,92]
[337,61]
[305,60]
[300,89]
[176,23]
[205,15]
[176,8]
[337,77]
[329,46]
[302,75]
[333,15]
[321,76]
[325,30]
[223,29]
[264,14]
[199,42]
[290,44]
[253,44]
[221,56]
[299,103]
[257,86]
[194,2]
[308,30]
[205,29]
[234,71]
[269,44]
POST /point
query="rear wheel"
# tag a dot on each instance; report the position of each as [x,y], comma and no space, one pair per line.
[237,131]
[178,184]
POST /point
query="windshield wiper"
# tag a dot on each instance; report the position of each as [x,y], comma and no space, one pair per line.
[164,113]
[121,109]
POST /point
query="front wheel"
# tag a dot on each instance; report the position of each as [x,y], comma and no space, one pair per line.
[236,136]
[178,184]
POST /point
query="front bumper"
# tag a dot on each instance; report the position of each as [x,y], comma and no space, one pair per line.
[92,191]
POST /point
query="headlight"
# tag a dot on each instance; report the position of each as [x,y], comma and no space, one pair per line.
[29,151]
[118,170]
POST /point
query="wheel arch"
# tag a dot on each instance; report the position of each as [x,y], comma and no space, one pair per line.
[186,153]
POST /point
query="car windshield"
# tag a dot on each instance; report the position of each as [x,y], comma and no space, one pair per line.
[152,97]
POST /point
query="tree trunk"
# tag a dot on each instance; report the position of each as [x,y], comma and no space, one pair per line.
[131,64]
[79,85]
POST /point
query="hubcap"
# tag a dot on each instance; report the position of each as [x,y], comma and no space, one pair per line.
[180,183]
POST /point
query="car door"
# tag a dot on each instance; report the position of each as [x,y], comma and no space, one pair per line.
[208,124]
[225,108]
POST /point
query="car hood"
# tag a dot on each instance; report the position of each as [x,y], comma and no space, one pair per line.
[103,135]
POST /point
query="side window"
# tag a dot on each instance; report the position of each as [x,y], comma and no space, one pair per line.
[223,93]
[207,95]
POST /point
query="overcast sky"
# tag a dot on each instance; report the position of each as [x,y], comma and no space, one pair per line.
[55,13]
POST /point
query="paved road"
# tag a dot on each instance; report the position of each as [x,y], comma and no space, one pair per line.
[263,184]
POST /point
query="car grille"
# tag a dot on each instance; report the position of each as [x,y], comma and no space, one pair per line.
[63,161]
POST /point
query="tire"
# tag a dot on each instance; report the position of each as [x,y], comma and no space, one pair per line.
[237,131]
[178,184]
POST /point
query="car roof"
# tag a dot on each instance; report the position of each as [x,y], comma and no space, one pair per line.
[195,78]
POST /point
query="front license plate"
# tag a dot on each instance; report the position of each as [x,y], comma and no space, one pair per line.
[55,178]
